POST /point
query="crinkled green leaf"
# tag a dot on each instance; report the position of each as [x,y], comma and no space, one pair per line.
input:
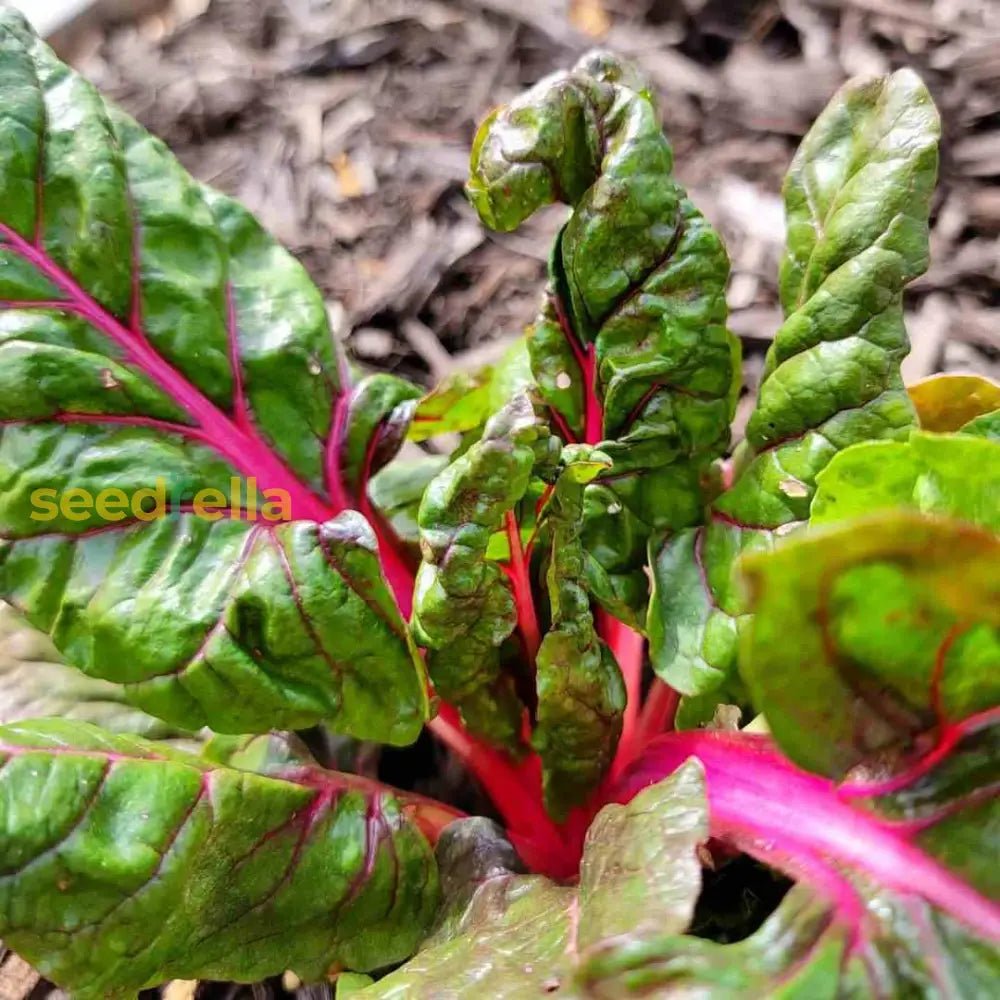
[857,200]
[581,693]
[522,936]
[464,606]
[948,474]
[152,333]
[630,348]
[869,633]
[126,864]
[396,492]
[947,402]
[35,682]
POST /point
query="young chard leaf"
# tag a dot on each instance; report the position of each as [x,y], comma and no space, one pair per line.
[631,348]
[525,936]
[465,607]
[948,402]
[464,401]
[581,693]
[151,331]
[126,864]
[396,491]
[857,199]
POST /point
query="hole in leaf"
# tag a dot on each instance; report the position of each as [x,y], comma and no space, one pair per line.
[737,898]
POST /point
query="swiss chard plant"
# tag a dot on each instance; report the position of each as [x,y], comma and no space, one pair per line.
[205,516]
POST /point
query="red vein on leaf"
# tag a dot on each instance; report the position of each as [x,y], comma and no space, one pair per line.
[791,818]
[61,305]
[586,358]
[735,522]
[81,817]
[659,384]
[241,408]
[567,330]
[163,854]
[243,448]
[396,567]
[564,429]
[520,581]
[940,662]
[971,800]
[948,740]
[337,669]
[351,584]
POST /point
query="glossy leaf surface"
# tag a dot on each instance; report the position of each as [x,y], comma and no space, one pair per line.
[159,351]
[525,936]
[126,864]
[464,606]
[630,348]
[581,693]
[857,199]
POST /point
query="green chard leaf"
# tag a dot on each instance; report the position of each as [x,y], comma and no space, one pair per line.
[873,654]
[857,199]
[897,893]
[464,605]
[155,344]
[463,401]
[948,474]
[126,863]
[872,650]
[396,491]
[630,349]
[34,682]
[526,936]
[802,952]
[898,617]
[581,693]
